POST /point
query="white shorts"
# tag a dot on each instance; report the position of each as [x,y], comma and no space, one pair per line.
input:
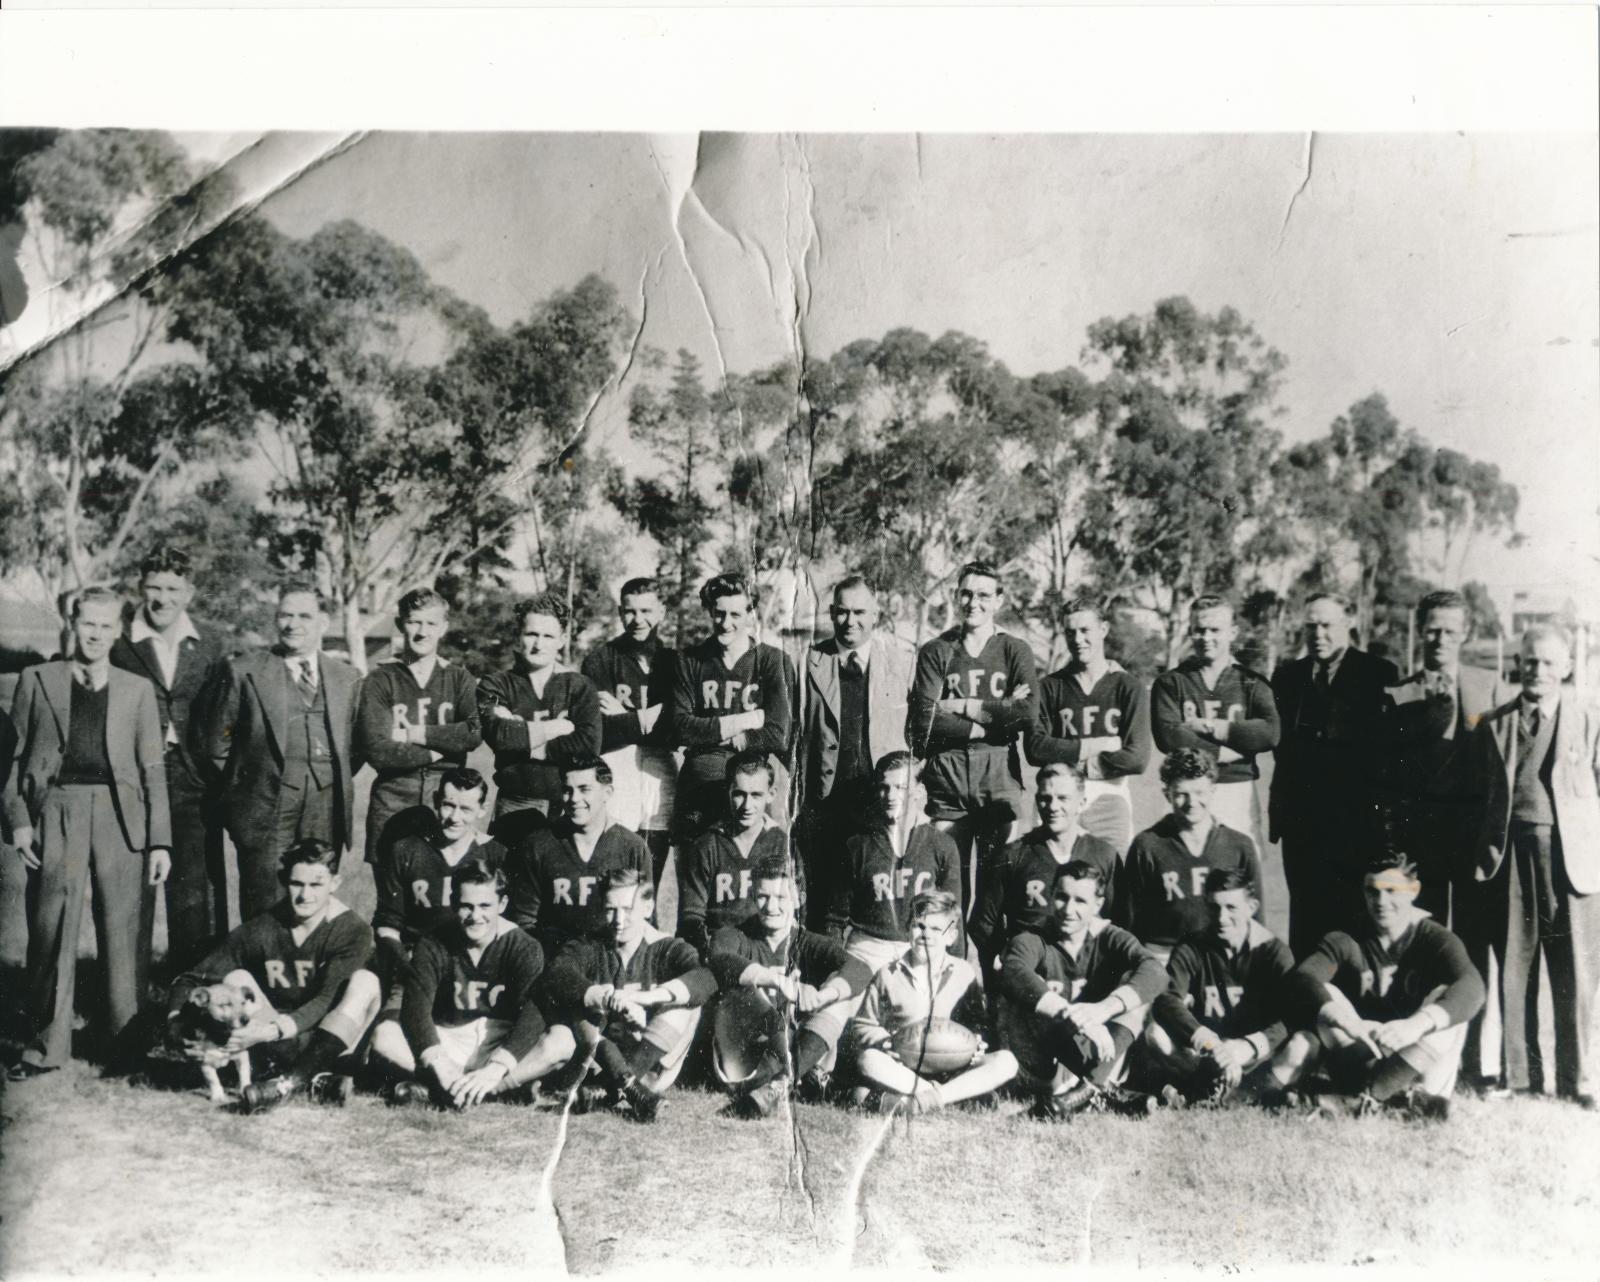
[644,784]
[872,952]
[1108,813]
[470,1045]
[1234,804]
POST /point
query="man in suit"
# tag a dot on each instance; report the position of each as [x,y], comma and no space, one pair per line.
[1538,862]
[1324,805]
[89,799]
[1432,799]
[277,726]
[853,713]
[163,645]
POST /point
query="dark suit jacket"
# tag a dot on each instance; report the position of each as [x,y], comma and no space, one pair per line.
[42,710]
[8,747]
[198,661]
[1334,775]
[239,722]
[888,690]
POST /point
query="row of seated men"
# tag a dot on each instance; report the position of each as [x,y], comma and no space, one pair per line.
[492,970]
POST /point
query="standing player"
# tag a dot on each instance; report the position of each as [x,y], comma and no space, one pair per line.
[537,717]
[1384,1007]
[1225,710]
[1095,717]
[1161,888]
[732,692]
[416,720]
[636,999]
[924,984]
[886,866]
[1219,1021]
[716,887]
[1018,893]
[555,872]
[1074,1000]
[973,698]
[808,983]
[634,673]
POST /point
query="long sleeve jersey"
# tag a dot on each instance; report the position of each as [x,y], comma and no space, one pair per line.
[586,962]
[518,772]
[555,892]
[446,988]
[639,677]
[302,980]
[1114,707]
[1241,697]
[1425,966]
[715,886]
[1161,886]
[815,958]
[705,690]
[907,992]
[414,888]
[1016,891]
[391,700]
[1002,676]
[874,893]
[1109,960]
[1235,995]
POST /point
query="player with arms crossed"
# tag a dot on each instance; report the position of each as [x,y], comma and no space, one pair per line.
[1220,707]
[416,719]
[973,697]
[469,1017]
[634,673]
[634,1001]
[785,997]
[913,1036]
[1095,717]
[732,693]
[716,885]
[1218,1024]
[1384,1010]
[1073,1001]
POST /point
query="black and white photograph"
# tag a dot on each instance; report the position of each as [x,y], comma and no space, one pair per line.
[603,699]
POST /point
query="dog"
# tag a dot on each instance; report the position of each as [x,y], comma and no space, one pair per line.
[209,1016]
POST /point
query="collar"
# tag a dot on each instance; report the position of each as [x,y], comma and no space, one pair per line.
[863,653]
[909,967]
[1545,706]
[81,676]
[400,661]
[140,629]
[504,927]
[1332,662]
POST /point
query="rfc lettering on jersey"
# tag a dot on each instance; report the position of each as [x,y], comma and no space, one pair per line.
[1072,989]
[1213,709]
[902,883]
[1034,892]
[730,696]
[278,973]
[970,685]
[561,891]
[1379,982]
[1089,722]
[730,889]
[624,696]
[474,994]
[1172,883]
[403,716]
[1214,1004]
[421,897]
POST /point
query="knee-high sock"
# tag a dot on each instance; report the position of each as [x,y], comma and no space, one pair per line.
[1390,1077]
[809,1051]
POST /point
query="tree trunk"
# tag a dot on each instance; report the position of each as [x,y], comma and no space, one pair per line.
[355,633]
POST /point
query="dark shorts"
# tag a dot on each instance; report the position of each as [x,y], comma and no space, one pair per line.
[978,781]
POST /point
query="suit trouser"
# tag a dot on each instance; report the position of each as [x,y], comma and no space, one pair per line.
[1544,916]
[1480,909]
[304,810]
[821,831]
[196,890]
[1322,866]
[81,841]
[398,806]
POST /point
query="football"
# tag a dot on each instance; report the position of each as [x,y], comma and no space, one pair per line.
[934,1047]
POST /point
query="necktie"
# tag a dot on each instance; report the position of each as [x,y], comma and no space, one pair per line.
[853,663]
[1530,719]
[1323,677]
[305,678]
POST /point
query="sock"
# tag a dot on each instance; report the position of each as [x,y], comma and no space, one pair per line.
[322,1049]
[809,1051]
[613,1065]
[769,1067]
[646,1059]
[1390,1077]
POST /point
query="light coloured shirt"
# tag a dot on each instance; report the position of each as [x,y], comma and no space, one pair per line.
[302,667]
[165,646]
[901,994]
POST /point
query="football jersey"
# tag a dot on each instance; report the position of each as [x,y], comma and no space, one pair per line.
[585,962]
[1017,891]
[1114,707]
[555,893]
[715,886]
[301,980]
[445,988]
[1002,675]
[705,690]
[391,700]
[1110,960]
[414,889]
[639,677]
[1395,981]
[874,893]
[566,694]
[814,958]
[1241,697]
[1235,995]
[1161,887]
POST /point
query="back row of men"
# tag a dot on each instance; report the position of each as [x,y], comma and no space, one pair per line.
[1477,795]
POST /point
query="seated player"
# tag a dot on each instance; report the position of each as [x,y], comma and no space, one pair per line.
[924,983]
[1073,1001]
[469,1017]
[414,875]
[554,874]
[1219,1023]
[305,959]
[886,865]
[633,1001]
[1161,887]
[1384,1010]
[810,983]
[715,886]
[1015,892]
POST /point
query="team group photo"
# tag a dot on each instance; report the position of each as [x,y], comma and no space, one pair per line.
[725,700]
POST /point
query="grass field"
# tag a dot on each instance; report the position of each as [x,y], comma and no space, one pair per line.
[101,1176]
